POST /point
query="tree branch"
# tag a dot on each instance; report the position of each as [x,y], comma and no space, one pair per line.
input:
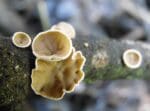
[16,65]
[14,75]
[109,64]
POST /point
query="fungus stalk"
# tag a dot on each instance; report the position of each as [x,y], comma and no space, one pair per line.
[21,40]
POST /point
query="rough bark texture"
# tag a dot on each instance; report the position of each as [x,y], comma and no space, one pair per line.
[14,75]
[16,65]
[110,62]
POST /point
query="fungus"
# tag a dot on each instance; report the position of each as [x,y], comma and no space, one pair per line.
[132,58]
[52,79]
[21,39]
[65,28]
[52,46]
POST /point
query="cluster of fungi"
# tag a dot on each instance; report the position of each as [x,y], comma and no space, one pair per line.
[58,66]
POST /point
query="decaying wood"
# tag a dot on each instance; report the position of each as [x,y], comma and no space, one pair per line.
[109,56]
[14,75]
[103,61]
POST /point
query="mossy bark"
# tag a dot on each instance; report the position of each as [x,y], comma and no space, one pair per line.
[14,75]
[16,65]
[114,68]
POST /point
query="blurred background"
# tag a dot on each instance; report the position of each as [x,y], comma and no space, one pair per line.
[115,19]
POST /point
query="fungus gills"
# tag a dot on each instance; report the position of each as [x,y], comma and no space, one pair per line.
[132,58]
[52,46]
[21,39]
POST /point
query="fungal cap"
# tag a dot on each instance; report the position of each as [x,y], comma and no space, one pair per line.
[42,84]
[65,28]
[53,79]
[21,39]
[52,46]
[77,60]
[132,58]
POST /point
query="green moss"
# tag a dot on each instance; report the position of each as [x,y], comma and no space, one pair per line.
[113,72]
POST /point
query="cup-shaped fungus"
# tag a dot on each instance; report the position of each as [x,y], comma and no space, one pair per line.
[52,46]
[65,28]
[52,79]
[21,39]
[132,58]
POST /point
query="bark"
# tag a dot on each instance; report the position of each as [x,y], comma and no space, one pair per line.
[14,75]
[111,65]
[16,65]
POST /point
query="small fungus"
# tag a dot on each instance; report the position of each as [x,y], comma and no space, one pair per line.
[21,39]
[52,79]
[132,58]
[65,28]
[52,46]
